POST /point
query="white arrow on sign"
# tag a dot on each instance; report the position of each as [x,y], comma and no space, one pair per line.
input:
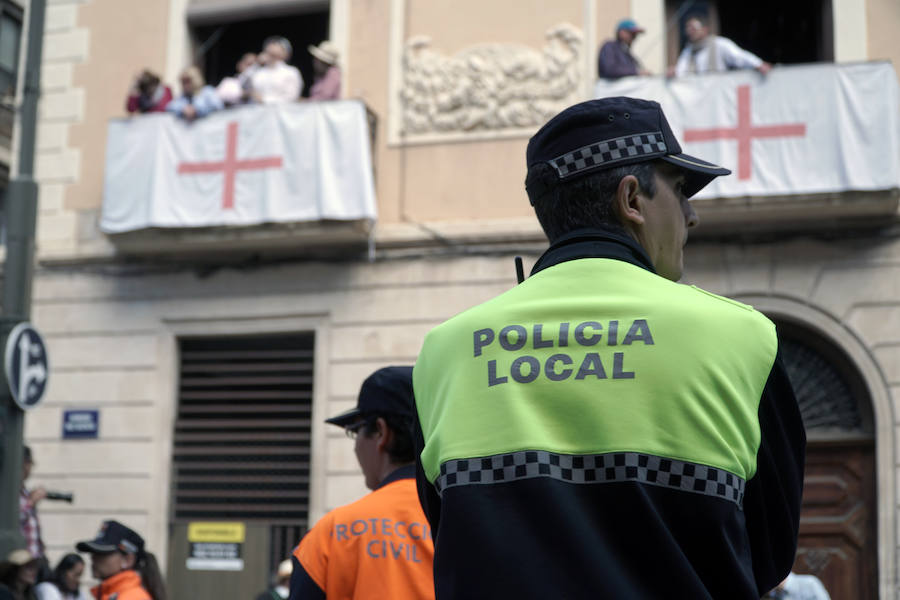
[29,373]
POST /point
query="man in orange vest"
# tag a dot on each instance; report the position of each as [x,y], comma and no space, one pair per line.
[379,546]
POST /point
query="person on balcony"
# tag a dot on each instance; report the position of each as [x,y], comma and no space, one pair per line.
[147,94]
[276,81]
[236,89]
[706,53]
[197,99]
[327,83]
[615,59]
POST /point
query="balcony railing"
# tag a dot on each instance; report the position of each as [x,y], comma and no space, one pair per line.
[254,178]
[805,143]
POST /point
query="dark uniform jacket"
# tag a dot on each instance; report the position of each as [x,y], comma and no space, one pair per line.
[616,60]
[601,432]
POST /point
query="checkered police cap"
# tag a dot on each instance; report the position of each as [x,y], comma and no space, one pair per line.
[612,132]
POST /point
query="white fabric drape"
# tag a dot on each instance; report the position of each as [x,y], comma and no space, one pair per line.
[799,130]
[243,166]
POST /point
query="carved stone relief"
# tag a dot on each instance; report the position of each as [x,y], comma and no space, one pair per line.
[489,87]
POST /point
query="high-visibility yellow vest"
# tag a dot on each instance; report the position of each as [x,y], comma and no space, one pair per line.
[592,357]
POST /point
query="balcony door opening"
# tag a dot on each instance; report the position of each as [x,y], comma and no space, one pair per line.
[778,32]
[218,46]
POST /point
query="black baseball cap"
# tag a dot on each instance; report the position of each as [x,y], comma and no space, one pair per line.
[386,391]
[113,536]
[612,132]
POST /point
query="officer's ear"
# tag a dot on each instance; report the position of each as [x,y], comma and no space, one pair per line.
[384,433]
[629,202]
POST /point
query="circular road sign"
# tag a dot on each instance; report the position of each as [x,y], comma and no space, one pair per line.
[26,365]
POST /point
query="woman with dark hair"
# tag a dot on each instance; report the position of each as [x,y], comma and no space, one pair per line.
[126,571]
[64,583]
[147,94]
[18,573]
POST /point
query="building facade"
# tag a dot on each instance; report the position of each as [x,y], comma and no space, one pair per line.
[212,357]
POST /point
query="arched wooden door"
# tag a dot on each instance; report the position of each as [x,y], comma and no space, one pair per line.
[838,532]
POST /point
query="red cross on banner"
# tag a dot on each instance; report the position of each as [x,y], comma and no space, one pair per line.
[230,166]
[745,132]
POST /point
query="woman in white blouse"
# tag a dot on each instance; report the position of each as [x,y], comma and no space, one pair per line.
[64,584]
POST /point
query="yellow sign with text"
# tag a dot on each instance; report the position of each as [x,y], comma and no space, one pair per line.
[216,532]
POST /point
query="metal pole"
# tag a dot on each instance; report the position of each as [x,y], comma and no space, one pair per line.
[21,214]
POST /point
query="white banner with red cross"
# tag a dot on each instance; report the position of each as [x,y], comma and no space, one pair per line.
[803,129]
[243,166]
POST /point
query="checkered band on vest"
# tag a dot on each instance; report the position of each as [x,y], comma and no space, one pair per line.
[595,468]
[609,152]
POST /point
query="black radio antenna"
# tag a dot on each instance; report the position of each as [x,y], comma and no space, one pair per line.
[520,270]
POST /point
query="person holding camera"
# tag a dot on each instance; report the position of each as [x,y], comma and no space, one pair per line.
[29,523]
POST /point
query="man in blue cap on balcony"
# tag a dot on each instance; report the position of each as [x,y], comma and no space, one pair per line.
[615,59]
[600,431]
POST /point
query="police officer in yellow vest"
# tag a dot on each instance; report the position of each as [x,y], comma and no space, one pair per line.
[601,431]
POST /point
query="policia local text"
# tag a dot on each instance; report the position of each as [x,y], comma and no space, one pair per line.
[559,366]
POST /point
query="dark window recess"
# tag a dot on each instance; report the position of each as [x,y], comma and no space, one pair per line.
[223,45]
[779,32]
[242,434]
[10,41]
[282,541]
[831,393]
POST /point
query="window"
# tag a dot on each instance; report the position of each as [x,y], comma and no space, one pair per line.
[830,391]
[10,40]
[220,46]
[793,32]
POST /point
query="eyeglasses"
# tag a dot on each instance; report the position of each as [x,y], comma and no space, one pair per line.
[352,430]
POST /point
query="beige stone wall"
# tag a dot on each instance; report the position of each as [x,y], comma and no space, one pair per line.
[882,17]
[92,51]
[124,38]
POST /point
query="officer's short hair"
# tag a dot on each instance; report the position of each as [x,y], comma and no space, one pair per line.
[401,451]
[577,159]
[564,206]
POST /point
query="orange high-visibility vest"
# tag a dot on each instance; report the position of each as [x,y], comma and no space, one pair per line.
[121,586]
[377,547]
